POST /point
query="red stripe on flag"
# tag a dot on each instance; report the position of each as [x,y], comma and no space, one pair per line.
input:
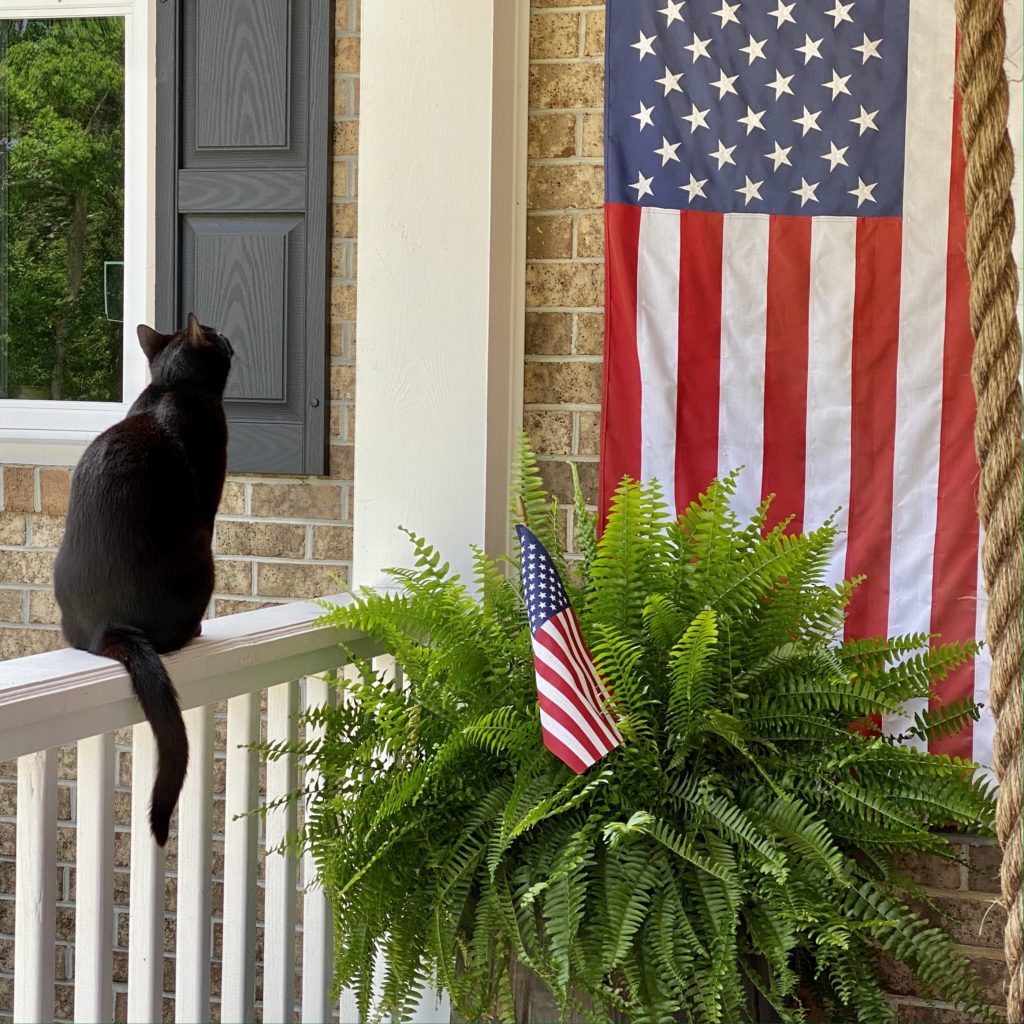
[876,334]
[955,578]
[620,448]
[785,367]
[593,750]
[564,754]
[568,628]
[700,340]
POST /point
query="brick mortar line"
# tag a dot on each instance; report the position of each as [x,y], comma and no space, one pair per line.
[566,261]
[564,309]
[334,563]
[564,110]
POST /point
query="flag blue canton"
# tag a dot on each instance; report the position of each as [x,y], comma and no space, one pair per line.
[543,590]
[757,106]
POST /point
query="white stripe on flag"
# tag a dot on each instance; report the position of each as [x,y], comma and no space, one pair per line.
[984,731]
[741,384]
[931,61]
[829,380]
[657,343]
[569,627]
[580,723]
[570,670]
[559,731]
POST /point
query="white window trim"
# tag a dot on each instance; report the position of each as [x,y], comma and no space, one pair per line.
[54,433]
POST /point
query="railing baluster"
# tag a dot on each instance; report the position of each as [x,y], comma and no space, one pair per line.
[195,828]
[35,912]
[281,873]
[239,930]
[146,890]
[94,919]
[317,955]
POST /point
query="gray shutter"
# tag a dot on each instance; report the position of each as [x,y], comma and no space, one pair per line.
[243,126]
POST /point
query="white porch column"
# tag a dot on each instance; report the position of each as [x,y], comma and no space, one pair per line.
[442,171]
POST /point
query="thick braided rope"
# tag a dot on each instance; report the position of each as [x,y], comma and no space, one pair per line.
[997,433]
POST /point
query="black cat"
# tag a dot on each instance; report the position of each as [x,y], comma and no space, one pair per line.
[134,573]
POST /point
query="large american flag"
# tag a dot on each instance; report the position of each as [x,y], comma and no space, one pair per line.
[787,289]
[576,722]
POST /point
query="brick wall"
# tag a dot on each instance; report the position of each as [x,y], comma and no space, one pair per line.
[277,538]
[564,343]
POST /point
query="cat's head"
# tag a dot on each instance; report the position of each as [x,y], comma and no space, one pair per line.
[196,355]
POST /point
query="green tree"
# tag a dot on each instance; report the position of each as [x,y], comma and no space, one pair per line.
[62,168]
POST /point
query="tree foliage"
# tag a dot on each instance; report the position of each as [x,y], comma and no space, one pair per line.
[743,836]
[62,171]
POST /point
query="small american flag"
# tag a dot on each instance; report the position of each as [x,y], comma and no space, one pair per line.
[577,726]
[787,290]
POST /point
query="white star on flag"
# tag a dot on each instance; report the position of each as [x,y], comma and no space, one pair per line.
[699,48]
[866,121]
[644,45]
[781,84]
[864,192]
[751,190]
[782,14]
[727,12]
[725,84]
[838,84]
[670,82]
[806,192]
[780,156]
[810,49]
[697,118]
[667,151]
[869,48]
[841,13]
[723,154]
[644,116]
[672,12]
[834,156]
[754,50]
[752,120]
[695,188]
[642,186]
[808,121]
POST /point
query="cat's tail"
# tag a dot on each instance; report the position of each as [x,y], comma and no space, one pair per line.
[159,702]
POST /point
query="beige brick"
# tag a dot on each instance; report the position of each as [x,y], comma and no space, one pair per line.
[550,433]
[9,806]
[19,489]
[26,567]
[554,383]
[42,607]
[592,143]
[297,501]
[589,433]
[232,499]
[269,540]
[346,138]
[593,34]
[554,35]
[346,55]
[567,3]
[564,284]
[916,1013]
[47,530]
[566,86]
[548,237]
[590,235]
[343,301]
[332,542]
[345,220]
[549,334]
[551,136]
[12,605]
[284,579]
[342,94]
[985,861]
[342,461]
[232,577]
[589,334]
[974,919]
[16,643]
[54,483]
[557,479]
[565,187]
[233,606]
[926,869]
[343,382]
[12,528]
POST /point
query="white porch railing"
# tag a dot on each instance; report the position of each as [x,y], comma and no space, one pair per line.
[67,697]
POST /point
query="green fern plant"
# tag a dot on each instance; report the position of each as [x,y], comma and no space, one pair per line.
[741,839]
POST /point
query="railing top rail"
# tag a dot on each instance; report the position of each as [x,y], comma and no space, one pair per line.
[66,695]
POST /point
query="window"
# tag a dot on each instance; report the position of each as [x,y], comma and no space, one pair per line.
[76,215]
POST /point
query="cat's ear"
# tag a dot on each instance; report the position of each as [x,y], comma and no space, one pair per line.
[151,341]
[196,337]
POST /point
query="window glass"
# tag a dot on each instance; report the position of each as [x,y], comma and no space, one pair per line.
[61,208]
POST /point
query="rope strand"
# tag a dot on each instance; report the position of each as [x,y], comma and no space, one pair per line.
[997,433]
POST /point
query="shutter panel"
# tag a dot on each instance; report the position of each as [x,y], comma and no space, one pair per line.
[241,194]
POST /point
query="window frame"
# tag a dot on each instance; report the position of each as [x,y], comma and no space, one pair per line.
[55,432]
